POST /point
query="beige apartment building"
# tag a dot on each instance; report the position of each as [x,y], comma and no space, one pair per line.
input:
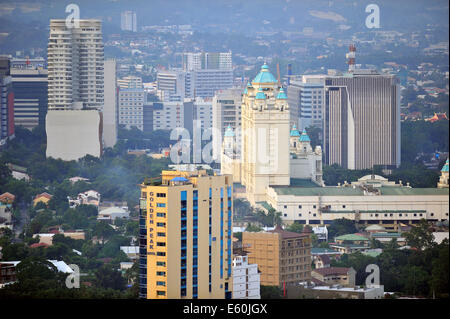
[185,236]
[282,257]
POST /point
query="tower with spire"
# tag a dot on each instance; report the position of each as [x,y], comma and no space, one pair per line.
[265,126]
[443,180]
[305,163]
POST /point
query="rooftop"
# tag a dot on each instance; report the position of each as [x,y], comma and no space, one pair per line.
[331,271]
[264,76]
[352,237]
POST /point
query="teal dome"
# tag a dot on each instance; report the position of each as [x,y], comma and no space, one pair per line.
[304,137]
[281,95]
[264,76]
[260,95]
[445,167]
[294,131]
[246,88]
[229,132]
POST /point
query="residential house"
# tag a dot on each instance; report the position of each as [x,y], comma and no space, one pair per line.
[334,276]
[350,243]
[42,198]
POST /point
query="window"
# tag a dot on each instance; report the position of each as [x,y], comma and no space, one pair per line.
[299,206]
[161,244]
[161,273]
[160,194]
[314,206]
[161,234]
[161,293]
[285,206]
[160,205]
[160,214]
[161,263]
[161,283]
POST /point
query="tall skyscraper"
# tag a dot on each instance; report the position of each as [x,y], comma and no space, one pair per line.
[75,90]
[128,21]
[185,236]
[75,65]
[193,61]
[362,120]
[6,101]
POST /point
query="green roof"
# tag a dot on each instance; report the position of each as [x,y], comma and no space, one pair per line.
[229,132]
[304,137]
[264,76]
[301,182]
[352,237]
[260,95]
[281,95]
[350,191]
[294,131]
[371,253]
[392,190]
[323,251]
[318,191]
[384,234]
[445,167]
[266,205]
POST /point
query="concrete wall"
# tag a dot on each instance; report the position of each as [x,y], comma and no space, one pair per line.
[72,134]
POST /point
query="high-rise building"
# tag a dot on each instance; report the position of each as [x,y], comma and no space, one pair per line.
[283,257]
[226,111]
[131,103]
[128,21]
[208,81]
[75,65]
[110,110]
[75,90]
[30,96]
[6,101]
[185,236]
[265,136]
[306,99]
[362,120]
[207,61]
[175,85]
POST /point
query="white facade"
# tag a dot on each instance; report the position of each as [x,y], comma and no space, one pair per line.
[169,116]
[131,103]
[128,21]
[72,134]
[75,65]
[226,111]
[387,205]
[246,279]
[110,112]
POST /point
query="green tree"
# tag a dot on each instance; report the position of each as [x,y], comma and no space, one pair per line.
[295,227]
[420,236]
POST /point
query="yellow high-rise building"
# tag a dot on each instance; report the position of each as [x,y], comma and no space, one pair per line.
[185,236]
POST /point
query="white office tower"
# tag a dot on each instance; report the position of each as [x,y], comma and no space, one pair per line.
[110,112]
[75,65]
[246,279]
[207,60]
[128,21]
[174,85]
[226,112]
[306,100]
[75,90]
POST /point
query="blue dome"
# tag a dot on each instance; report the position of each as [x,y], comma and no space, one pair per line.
[260,95]
[281,95]
[229,132]
[294,131]
[304,137]
[445,167]
[264,76]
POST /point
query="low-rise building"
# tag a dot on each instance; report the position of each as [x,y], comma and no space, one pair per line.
[283,257]
[334,292]
[132,252]
[334,276]
[42,198]
[89,197]
[246,279]
[321,261]
[112,213]
[350,243]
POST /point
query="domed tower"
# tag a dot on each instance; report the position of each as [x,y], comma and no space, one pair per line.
[443,180]
[304,143]
[293,140]
[265,136]
[228,142]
